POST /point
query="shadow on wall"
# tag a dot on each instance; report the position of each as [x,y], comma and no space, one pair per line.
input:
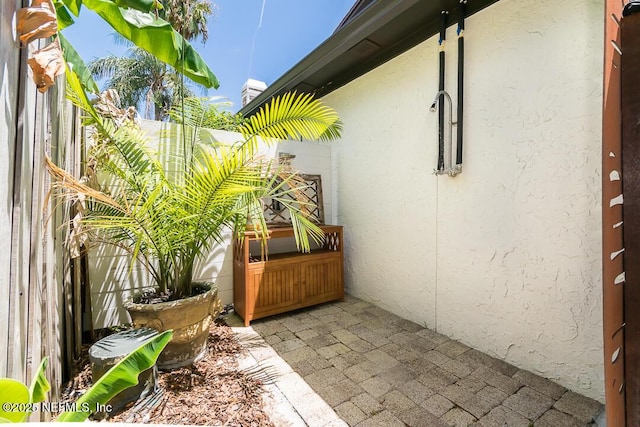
[113,279]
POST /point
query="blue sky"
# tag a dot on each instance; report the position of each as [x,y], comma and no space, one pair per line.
[290,29]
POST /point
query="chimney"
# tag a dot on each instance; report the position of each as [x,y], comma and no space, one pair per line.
[251,89]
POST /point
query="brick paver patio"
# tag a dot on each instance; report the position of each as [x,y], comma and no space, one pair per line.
[377,369]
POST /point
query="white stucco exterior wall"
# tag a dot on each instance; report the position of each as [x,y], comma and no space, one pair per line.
[111,276]
[507,256]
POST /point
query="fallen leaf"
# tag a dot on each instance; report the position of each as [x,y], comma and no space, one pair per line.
[37,21]
[108,105]
[46,64]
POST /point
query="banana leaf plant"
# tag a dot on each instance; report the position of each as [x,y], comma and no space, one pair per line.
[168,217]
[135,20]
[17,401]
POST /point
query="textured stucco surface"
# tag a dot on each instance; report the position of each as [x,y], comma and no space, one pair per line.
[507,256]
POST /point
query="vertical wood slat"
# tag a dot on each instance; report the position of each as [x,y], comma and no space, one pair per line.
[275,287]
[77,308]
[20,221]
[42,325]
[9,68]
[321,279]
[630,90]
[69,156]
[43,331]
[612,293]
[63,146]
[35,324]
[57,131]
[30,291]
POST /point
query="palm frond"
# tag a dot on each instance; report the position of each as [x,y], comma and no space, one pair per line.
[208,113]
[188,18]
[107,66]
[292,116]
[168,218]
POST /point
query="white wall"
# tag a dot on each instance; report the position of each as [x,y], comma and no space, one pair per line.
[111,280]
[505,257]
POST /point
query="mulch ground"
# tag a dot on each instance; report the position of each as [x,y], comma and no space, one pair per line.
[212,391]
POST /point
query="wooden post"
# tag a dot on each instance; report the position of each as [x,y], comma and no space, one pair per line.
[630,89]
[612,268]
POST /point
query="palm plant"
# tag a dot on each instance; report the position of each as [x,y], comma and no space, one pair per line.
[188,17]
[206,113]
[167,220]
[140,78]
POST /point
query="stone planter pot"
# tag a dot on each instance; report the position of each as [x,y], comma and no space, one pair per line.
[189,318]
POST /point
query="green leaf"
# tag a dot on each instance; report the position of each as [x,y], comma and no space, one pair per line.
[122,375]
[77,65]
[63,15]
[292,116]
[73,5]
[157,37]
[16,393]
[141,5]
[169,214]
[78,97]
[39,385]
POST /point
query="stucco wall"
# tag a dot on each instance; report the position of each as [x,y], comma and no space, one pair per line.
[112,282]
[507,256]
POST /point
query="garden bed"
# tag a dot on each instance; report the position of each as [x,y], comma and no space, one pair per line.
[211,392]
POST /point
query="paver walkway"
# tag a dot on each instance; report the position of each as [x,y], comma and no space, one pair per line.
[377,369]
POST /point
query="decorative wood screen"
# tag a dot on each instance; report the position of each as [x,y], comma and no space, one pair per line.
[309,189]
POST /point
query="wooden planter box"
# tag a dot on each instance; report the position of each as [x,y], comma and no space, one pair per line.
[272,283]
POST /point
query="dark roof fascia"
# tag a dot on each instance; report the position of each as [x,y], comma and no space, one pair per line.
[371,18]
[362,25]
[355,10]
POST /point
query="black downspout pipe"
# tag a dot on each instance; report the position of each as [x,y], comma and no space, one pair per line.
[443,36]
[463,12]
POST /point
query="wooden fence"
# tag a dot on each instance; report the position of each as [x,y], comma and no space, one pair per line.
[35,277]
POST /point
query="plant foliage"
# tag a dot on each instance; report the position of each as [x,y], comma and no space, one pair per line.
[188,17]
[140,78]
[20,398]
[136,21]
[168,216]
[124,374]
[121,376]
[206,113]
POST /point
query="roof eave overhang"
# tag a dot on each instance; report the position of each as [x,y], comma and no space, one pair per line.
[340,49]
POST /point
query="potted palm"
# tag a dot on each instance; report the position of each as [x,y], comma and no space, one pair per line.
[168,218]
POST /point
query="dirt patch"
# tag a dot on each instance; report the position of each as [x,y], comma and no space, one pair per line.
[213,391]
